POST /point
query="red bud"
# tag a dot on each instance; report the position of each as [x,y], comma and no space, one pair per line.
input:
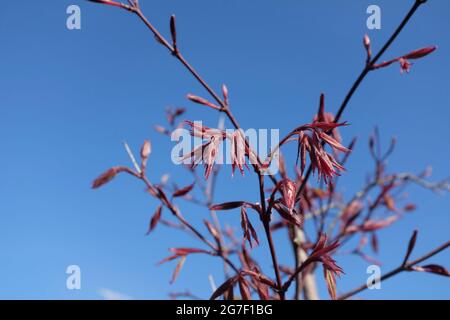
[225,94]
[368,47]
[146,149]
[202,101]
[173,32]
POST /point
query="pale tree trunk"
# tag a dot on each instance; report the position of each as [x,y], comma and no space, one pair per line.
[306,282]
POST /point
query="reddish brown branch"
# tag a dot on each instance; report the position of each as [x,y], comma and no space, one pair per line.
[404,267]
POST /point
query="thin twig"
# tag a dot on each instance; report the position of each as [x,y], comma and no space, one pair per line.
[401,268]
[362,76]
[132,157]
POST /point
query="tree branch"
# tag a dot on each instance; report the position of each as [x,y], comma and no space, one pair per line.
[401,268]
[363,75]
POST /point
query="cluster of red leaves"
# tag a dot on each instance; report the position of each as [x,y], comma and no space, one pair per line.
[293,200]
[208,151]
[322,253]
[311,139]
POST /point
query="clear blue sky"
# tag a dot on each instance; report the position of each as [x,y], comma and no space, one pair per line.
[69,98]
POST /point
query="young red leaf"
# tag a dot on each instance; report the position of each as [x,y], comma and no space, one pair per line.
[253,233]
[263,291]
[186,251]
[224,287]
[183,191]
[229,294]
[169,258]
[331,282]
[247,229]
[260,277]
[322,251]
[432,268]
[227,205]
[155,219]
[374,242]
[333,142]
[213,231]
[244,226]
[178,269]
[108,175]
[289,215]
[162,196]
[420,53]
[180,252]
[244,289]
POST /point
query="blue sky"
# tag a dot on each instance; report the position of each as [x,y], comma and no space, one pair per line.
[69,99]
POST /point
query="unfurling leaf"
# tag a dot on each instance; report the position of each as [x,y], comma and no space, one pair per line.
[155,219]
